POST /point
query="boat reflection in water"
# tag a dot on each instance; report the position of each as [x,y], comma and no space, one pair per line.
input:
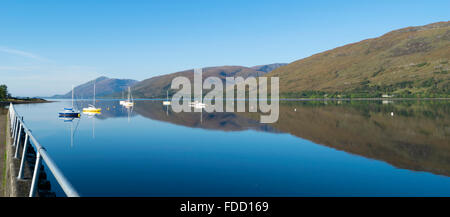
[73,127]
[129,110]
[74,123]
[411,135]
[91,115]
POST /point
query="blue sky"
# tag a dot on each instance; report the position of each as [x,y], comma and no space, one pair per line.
[46,46]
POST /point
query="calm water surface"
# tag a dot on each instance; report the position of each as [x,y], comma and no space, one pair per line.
[315,149]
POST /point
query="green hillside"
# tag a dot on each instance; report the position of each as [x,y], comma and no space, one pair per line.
[410,62]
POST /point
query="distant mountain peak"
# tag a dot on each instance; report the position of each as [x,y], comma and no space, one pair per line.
[104,86]
[268,67]
[101,78]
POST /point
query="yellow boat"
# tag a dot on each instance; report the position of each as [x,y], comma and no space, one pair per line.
[92,108]
[128,104]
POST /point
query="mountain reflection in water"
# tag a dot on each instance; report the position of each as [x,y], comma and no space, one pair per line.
[305,153]
[416,137]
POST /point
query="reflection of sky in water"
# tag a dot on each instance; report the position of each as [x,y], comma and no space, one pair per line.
[146,152]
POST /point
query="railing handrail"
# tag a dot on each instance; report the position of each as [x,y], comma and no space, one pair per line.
[56,172]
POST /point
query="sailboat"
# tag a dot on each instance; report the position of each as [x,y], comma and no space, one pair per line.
[130,112]
[122,102]
[129,102]
[167,102]
[92,108]
[198,104]
[70,112]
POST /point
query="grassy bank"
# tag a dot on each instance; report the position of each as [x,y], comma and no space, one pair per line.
[3,133]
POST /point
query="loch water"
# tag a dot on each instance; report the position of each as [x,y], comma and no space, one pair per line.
[316,148]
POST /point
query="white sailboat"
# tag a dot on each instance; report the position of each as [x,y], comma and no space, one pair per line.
[167,102]
[92,108]
[122,101]
[129,102]
[198,104]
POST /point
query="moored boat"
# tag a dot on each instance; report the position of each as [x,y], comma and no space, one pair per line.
[92,108]
[70,112]
[167,102]
[129,102]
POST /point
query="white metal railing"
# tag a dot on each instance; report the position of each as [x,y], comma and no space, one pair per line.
[18,127]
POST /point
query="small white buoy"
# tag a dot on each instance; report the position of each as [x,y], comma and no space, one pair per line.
[392,113]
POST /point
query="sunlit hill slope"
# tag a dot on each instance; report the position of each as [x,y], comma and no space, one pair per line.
[410,62]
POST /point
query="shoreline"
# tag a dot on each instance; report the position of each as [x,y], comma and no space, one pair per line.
[359,99]
[280,99]
[24,101]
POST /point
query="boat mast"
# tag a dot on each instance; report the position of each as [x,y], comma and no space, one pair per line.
[72,95]
[129,94]
[94,93]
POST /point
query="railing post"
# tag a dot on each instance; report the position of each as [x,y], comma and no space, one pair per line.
[37,169]
[19,137]
[11,117]
[11,120]
[11,127]
[14,127]
[16,130]
[24,155]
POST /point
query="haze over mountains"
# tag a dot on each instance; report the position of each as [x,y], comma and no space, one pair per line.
[409,62]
